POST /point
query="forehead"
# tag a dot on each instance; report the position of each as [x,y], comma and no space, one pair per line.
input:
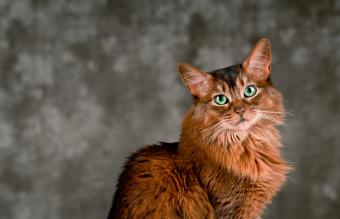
[231,77]
[229,74]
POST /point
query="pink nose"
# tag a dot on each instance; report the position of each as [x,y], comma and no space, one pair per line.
[240,110]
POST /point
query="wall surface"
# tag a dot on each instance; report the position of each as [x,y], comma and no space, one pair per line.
[84,83]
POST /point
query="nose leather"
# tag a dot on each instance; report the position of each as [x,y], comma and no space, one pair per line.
[240,110]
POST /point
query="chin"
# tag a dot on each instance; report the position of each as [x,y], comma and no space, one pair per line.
[243,126]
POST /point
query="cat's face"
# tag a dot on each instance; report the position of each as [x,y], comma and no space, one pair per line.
[234,99]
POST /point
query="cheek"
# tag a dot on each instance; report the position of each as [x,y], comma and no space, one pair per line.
[202,114]
[260,100]
[266,101]
[198,112]
[209,114]
[219,112]
[270,99]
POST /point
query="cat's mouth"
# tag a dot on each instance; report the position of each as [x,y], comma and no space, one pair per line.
[240,123]
[241,120]
[243,124]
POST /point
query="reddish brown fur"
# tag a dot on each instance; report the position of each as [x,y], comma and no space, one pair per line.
[228,171]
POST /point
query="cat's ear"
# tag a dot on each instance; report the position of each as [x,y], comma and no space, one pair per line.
[197,81]
[258,63]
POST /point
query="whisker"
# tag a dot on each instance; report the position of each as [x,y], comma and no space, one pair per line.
[267,117]
[208,132]
[213,126]
[275,112]
[214,132]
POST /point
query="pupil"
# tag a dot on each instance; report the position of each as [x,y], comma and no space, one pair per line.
[220,99]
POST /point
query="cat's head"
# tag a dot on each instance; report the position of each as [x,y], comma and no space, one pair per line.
[234,99]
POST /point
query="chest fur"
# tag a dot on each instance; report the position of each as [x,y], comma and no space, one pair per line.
[238,196]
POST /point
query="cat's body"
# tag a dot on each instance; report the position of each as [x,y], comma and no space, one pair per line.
[227,163]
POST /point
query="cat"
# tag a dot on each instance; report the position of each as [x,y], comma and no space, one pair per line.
[227,163]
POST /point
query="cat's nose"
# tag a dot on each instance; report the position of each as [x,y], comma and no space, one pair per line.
[240,110]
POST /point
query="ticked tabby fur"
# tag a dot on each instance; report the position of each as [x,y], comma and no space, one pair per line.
[227,163]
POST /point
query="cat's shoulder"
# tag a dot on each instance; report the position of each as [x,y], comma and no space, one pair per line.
[153,153]
[151,159]
[161,149]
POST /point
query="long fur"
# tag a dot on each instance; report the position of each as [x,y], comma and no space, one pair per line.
[216,170]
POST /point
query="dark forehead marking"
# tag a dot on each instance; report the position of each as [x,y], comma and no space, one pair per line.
[228,74]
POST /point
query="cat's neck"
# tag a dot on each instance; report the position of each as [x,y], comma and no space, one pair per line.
[254,153]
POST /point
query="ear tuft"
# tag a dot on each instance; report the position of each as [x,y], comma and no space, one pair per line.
[258,63]
[197,81]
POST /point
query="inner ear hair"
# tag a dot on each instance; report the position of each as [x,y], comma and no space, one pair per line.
[197,81]
[258,63]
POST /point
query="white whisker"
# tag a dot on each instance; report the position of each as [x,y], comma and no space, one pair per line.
[275,112]
[268,117]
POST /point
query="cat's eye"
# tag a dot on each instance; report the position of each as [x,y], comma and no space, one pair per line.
[250,91]
[220,99]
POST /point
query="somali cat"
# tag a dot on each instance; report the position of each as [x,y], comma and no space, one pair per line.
[227,163]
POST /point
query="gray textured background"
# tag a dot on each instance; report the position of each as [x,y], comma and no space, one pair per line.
[83,83]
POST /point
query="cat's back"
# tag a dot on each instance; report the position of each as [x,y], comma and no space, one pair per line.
[149,164]
[156,183]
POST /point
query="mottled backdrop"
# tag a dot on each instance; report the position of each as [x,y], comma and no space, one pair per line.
[83,83]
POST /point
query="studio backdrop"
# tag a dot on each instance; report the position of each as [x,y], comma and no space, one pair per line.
[85,83]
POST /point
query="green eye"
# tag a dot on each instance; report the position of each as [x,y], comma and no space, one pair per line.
[220,99]
[250,91]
